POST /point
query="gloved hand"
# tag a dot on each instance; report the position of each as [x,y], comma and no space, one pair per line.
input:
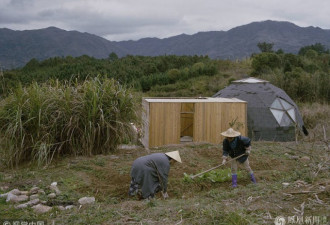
[248,150]
[224,160]
[165,195]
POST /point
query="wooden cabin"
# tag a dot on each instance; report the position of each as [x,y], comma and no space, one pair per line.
[175,120]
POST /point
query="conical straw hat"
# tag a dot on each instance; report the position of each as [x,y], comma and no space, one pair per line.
[174,155]
[230,133]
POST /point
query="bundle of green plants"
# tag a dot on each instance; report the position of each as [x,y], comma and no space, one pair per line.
[215,176]
[40,122]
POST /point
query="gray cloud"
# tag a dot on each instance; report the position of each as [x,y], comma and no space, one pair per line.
[132,19]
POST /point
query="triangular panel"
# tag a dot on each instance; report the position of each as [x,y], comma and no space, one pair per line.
[278,114]
[286,105]
[286,121]
[276,104]
[292,114]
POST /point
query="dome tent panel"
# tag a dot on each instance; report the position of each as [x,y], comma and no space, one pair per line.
[286,105]
[276,104]
[278,114]
[286,121]
[284,112]
[262,97]
[292,114]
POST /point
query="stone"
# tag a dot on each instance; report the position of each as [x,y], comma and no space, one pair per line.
[52,195]
[41,208]
[15,192]
[69,207]
[62,208]
[86,200]
[35,196]
[21,206]
[285,184]
[22,198]
[54,187]
[305,159]
[34,190]
[14,198]
[25,193]
[11,193]
[11,197]
[41,191]
[33,202]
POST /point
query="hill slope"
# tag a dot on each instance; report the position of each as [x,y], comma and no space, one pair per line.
[18,47]
[238,42]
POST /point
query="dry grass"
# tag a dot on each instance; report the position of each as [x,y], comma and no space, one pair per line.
[317,120]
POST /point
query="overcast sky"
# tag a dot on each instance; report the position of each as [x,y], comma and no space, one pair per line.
[119,20]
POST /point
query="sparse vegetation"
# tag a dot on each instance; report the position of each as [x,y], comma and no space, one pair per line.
[200,201]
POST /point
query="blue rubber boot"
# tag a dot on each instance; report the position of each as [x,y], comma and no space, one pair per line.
[253,179]
[234,180]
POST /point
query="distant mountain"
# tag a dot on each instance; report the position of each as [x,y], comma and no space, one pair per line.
[236,43]
[18,47]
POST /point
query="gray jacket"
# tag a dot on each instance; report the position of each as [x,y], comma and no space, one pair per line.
[150,171]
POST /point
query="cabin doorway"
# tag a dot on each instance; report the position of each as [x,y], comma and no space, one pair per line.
[187,122]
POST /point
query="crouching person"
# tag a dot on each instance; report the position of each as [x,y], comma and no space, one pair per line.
[150,174]
[235,145]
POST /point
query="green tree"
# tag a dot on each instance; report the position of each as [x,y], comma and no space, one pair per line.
[265,62]
[265,47]
[113,57]
[173,75]
[31,65]
[318,47]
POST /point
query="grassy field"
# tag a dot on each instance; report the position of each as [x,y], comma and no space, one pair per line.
[293,182]
[198,201]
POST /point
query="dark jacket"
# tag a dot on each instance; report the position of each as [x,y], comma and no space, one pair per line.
[236,147]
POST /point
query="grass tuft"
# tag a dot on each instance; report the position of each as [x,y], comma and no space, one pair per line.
[40,122]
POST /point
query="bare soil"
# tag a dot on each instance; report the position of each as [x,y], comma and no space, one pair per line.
[106,177]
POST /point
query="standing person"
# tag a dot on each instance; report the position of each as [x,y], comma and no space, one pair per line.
[150,174]
[235,145]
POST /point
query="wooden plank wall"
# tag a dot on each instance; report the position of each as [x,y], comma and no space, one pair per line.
[164,123]
[213,118]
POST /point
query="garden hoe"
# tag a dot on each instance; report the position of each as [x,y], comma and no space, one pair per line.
[192,177]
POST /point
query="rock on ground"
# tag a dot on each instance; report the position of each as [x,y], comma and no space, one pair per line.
[86,200]
[41,208]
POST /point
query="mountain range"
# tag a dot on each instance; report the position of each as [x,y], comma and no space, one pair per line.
[19,47]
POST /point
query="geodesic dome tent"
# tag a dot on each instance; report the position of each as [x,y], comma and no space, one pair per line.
[271,113]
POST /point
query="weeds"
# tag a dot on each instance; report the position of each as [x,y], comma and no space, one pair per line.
[219,175]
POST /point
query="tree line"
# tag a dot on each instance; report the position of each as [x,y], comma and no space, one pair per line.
[304,76]
[139,72]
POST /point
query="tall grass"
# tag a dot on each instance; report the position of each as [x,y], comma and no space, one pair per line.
[316,119]
[43,121]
